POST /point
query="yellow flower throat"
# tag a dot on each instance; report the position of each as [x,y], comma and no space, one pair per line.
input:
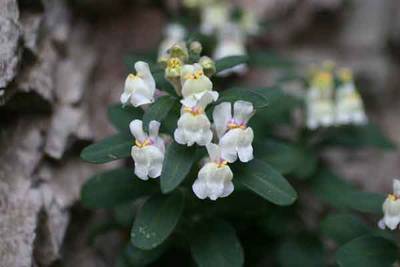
[194,111]
[145,143]
[195,76]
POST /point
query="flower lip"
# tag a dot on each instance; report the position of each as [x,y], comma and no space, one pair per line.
[132,76]
[233,124]
[393,197]
[194,110]
[145,143]
[195,76]
[221,163]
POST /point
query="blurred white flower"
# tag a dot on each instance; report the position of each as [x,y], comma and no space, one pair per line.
[139,88]
[249,22]
[391,208]
[193,125]
[148,151]
[319,101]
[235,138]
[349,104]
[195,84]
[215,178]
[174,33]
[231,42]
[214,16]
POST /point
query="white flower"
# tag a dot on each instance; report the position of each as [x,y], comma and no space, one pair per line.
[214,16]
[215,178]
[231,43]
[235,137]
[319,101]
[320,111]
[349,105]
[391,208]
[174,33]
[148,151]
[249,22]
[195,84]
[193,125]
[139,88]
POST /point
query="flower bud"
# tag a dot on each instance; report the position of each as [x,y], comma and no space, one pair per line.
[180,51]
[196,47]
[208,66]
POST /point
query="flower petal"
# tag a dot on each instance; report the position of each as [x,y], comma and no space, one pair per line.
[138,99]
[396,187]
[143,70]
[125,97]
[221,116]
[214,151]
[243,111]
[136,127]
[154,127]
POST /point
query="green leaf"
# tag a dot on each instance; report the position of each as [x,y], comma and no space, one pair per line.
[281,156]
[157,219]
[301,251]
[367,251]
[215,244]
[343,227]
[135,257]
[254,96]
[269,59]
[111,148]
[177,164]
[358,136]
[262,179]
[326,186]
[121,116]
[229,62]
[114,187]
[159,110]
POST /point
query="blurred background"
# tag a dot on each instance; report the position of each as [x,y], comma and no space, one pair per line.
[63,62]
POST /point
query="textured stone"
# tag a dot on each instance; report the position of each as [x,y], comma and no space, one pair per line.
[10,34]
[40,76]
[31,25]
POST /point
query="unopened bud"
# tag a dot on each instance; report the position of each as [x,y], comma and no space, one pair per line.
[196,47]
[208,65]
[180,51]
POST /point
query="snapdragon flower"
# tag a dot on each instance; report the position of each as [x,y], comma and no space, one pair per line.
[215,178]
[195,84]
[139,88]
[174,34]
[349,104]
[148,151]
[319,102]
[391,208]
[214,16]
[235,136]
[231,42]
[194,125]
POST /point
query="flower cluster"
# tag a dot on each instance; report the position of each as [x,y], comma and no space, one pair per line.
[218,17]
[328,104]
[191,82]
[391,208]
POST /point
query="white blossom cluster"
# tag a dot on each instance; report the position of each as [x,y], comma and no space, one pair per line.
[391,208]
[216,18]
[328,105]
[233,138]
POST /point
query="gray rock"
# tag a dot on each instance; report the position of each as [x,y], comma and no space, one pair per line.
[31,28]
[40,76]
[10,34]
